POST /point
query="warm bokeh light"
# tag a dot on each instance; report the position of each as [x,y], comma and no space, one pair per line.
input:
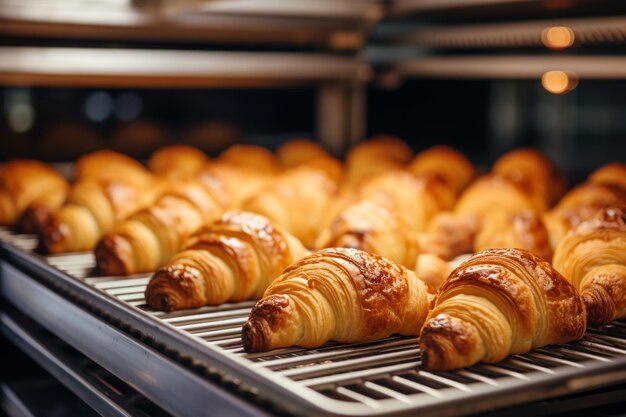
[559,82]
[558,37]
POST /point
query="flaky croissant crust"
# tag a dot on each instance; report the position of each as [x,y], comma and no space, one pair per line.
[499,302]
[337,294]
[593,258]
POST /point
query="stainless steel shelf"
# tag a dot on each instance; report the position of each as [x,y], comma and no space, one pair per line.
[587,31]
[512,67]
[361,379]
[296,22]
[158,68]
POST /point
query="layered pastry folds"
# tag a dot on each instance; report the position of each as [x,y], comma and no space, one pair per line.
[498,303]
[233,260]
[345,295]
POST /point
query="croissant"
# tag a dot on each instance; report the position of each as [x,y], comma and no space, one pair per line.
[93,208]
[452,234]
[415,200]
[447,163]
[296,200]
[299,151]
[581,204]
[235,259]
[534,172]
[149,238]
[498,303]
[26,182]
[593,258]
[110,165]
[232,185]
[370,227]
[612,174]
[432,269]
[338,294]
[523,230]
[373,157]
[252,157]
[449,235]
[177,161]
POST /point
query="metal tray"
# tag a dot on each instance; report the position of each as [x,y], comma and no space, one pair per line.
[360,379]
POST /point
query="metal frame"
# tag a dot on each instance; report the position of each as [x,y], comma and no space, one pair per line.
[53,311]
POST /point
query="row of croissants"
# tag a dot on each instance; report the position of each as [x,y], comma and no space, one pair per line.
[347,251]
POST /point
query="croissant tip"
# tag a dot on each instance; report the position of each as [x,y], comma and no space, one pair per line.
[252,337]
[109,257]
[52,237]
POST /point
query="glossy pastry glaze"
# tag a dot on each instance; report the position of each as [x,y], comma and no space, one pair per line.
[444,162]
[499,302]
[593,258]
[338,294]
[233,260]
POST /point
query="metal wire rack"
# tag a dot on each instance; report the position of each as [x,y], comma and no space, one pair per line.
[373,378]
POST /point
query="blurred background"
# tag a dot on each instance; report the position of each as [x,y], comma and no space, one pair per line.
[484,76]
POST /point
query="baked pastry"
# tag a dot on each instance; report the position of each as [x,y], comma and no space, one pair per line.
[612,174]
[499,302]
[432,270]
[523,230]
[449,235]
[345,295]
[534,172]
[233,185]
[93,208]
[415,200]
[593,258]
[234,260]
[296,152]
[251,157]
[373,157]
[106,164]
[444,162]
[296,200]
[26,182]
[452,234]
[177,162]
[580,204]
[149,238]
[372,228]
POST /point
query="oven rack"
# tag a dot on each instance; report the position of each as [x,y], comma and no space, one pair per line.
[365,379]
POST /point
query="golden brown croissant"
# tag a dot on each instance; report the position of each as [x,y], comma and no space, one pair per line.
[452,234]
[432,269]
[111,165]
[299,151]
[149,238]
[296,200]
[446,163]
[233,185]
[235,259]
[93,208]
[534,172]
[498,303]
[25,182]
[373,157]
[523,230]
[415,200]
[612,174]
[580,204]
[251,157]
[370,227]
[593,258]
[338,294]
[177,161]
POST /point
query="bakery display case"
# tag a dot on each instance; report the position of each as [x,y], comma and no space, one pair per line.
[132,286]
